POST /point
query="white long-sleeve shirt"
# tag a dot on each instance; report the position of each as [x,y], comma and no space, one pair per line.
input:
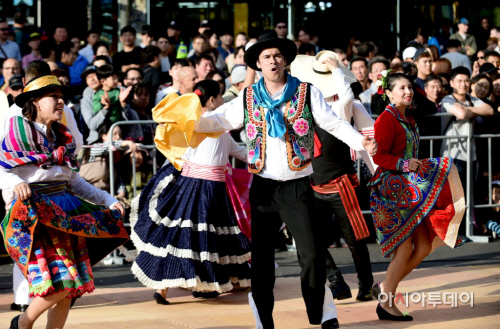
[216,151]
[346,107]
[343,105]
[31,173]
[230,116]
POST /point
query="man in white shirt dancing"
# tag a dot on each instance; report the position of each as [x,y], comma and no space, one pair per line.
[279,114]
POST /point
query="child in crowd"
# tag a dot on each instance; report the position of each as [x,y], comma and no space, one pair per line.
[34,44]
[493,223]
[108,97]
[139,101]
[143,173]
[95,164]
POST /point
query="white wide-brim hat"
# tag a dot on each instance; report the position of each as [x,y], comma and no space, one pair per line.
[310,69]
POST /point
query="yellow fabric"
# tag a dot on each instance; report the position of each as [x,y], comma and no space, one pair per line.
[179,114]
[42,82]
[4,105]
[63,119]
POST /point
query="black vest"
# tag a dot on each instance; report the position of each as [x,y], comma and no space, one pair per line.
[335,160]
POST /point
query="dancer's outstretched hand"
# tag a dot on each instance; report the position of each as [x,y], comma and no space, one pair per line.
[414,164]
[370,145]
[331,63]
[120,207]
[23,191]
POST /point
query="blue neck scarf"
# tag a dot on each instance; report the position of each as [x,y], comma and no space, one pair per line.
[274,117]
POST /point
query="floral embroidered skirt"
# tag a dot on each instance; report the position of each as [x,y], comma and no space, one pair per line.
[56,238]
[187,235]
[400,202]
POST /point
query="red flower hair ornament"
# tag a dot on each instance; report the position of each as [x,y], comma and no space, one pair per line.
[381,82]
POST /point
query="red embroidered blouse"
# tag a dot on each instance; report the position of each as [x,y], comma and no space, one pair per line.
[391,138]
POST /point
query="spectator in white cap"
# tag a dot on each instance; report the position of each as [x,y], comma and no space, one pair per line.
[468,41]
[408,54]
[238,75]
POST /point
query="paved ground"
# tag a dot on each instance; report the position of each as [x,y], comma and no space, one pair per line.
[121,302]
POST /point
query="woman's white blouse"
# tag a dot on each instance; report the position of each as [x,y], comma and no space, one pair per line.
[216,151]
[31,173]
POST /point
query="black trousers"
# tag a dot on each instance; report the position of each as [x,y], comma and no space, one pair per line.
[331,204]
[293,203]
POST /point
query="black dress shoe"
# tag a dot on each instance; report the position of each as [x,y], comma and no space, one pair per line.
[17,307]
[364,295]
[73,301]
[206,295]
[384,315]
[14,324]
[160,300]
[340,290]
[330,324]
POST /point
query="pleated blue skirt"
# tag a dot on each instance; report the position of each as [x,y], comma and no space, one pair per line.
[187,235]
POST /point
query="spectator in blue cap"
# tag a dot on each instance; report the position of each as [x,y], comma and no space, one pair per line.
[468,41]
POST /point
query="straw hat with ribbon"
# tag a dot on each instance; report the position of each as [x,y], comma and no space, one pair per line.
[37,87]
[311,69]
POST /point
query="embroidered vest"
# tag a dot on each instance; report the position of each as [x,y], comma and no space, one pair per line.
[299,136]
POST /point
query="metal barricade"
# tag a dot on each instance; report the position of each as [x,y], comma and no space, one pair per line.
[490,172]
[145,147]
[469,214]
[469,181]
[113,258]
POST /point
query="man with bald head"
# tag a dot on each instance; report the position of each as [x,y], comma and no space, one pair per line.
[10,67]
[187,79]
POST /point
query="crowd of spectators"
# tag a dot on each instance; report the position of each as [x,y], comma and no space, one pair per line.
[452,72]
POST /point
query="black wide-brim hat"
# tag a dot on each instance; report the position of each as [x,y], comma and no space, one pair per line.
[270,40]
[37,87]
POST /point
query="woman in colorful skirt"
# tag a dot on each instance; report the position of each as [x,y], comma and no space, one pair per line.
[417,204]
[52,234]
[183,223]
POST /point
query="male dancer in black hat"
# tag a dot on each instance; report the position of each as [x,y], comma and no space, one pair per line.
[279,114]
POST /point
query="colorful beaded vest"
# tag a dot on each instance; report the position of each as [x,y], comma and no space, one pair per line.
[299,136]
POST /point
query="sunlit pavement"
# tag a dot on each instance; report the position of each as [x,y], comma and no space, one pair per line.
[120,302]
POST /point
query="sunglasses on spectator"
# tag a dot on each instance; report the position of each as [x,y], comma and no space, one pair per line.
[5,29]
[480,57]
[281,26]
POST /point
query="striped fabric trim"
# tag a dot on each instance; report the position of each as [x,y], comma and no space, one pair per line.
[195,170]
[344,185]
[351,204]
[25,145]
[370,132]
[194,284]
[51,188]
[187,253]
